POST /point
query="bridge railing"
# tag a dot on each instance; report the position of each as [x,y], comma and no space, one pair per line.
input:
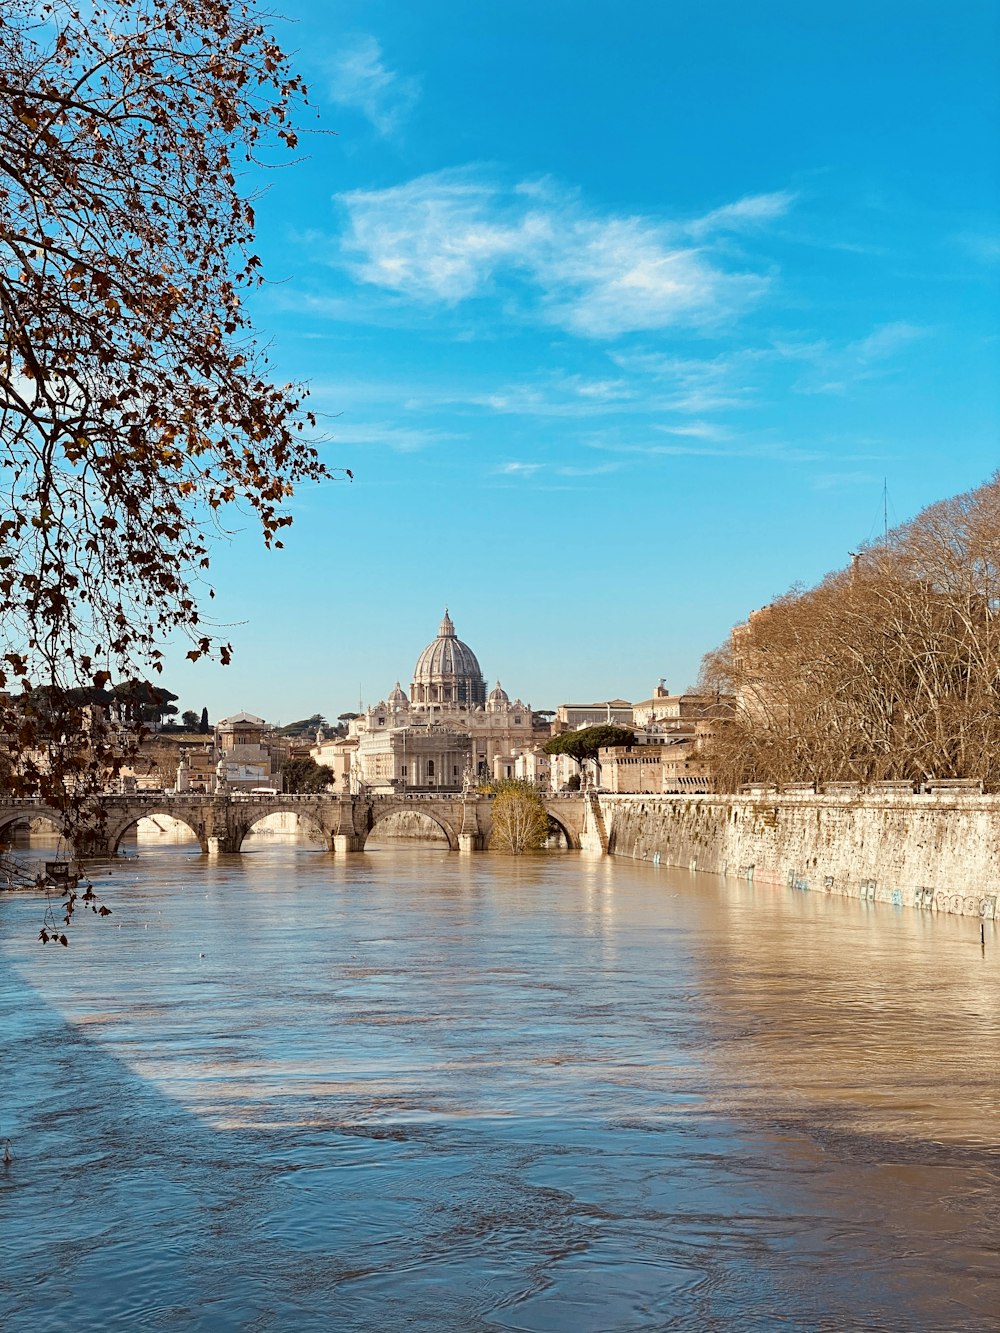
[160,797]
[428,796]
[154,797]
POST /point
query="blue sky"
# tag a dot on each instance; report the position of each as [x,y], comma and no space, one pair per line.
[620,314]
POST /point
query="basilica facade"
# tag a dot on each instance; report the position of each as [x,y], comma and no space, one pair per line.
[442,733]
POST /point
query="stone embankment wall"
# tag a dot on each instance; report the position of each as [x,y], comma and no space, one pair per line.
[931,852]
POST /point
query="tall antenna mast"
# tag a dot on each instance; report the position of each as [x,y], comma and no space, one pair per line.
[885,512]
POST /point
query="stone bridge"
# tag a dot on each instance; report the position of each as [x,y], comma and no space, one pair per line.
[343,823]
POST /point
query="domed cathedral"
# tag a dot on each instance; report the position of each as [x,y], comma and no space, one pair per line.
[447,725]
[447,675]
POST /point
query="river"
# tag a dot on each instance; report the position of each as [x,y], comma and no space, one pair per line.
[413,1090]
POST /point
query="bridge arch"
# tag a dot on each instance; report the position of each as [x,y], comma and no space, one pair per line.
[114,832]
[306,817]
[555,821]
[21,814]
[570,828]
[380,813]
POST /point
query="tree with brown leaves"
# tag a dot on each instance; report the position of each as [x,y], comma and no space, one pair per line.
[135,404]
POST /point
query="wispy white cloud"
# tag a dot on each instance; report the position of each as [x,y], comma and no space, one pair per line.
[836,368]
[556,395]
[404,439]
[450,236]
[753,210]
[761,446]
[765,451]
[526,471]
[517,469]
[621,275]
[884,342]
[360,79]
[601,470]
[695,430]
[436,238]
[698,385]
[602,391]
[983,246]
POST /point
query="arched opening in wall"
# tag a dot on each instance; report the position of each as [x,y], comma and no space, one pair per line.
[403,828]
[34,836]
[558,839]
[157,833]
[283,831]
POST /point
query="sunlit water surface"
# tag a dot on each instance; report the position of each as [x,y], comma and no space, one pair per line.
[412,1090]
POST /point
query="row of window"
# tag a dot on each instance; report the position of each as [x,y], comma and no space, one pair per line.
[405,769]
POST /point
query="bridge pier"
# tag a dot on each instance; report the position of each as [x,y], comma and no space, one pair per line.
[347,842]
[88,845]
[470,836]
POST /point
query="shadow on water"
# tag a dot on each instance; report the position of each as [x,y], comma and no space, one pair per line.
[417,1091]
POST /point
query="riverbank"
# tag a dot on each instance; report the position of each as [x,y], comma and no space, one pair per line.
[931,852]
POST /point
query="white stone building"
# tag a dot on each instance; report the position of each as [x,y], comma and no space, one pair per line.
[571,717]
[421,758]
[415,731]
[534,766]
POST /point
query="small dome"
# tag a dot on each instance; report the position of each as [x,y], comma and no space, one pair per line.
[498,697]
[399,698]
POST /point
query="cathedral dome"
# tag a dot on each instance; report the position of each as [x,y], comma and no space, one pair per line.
[398,697]
[447,671]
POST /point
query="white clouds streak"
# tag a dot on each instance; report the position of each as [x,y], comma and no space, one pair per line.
[527,471]
[432,239]
[449,236]
[753,210]
[836,370]
[983,246]
[403,439]
[694,386]
[518,469]
[359,79]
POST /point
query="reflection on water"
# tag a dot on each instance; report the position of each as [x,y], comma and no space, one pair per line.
[423,1091]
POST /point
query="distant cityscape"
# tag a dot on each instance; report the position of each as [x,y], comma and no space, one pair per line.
[443,731]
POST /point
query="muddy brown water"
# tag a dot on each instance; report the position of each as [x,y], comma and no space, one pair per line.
[412,1090]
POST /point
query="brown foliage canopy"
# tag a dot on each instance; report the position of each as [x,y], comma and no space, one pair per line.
[134,403]
[887,670]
